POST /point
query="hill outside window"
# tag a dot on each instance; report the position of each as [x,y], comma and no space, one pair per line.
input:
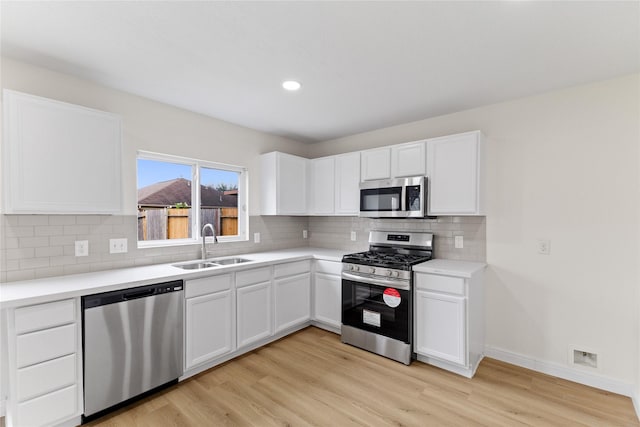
[178,195]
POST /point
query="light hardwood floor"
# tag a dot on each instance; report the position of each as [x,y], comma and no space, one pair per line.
[311,378]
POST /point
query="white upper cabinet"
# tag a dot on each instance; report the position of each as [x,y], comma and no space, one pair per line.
[347,184]
[59,157]
[395,161]
[283,184]
[322,179]
[408,159]
[376,164]
[334,185]
[456,174]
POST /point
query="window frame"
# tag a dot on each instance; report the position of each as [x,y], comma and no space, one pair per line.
[196,234]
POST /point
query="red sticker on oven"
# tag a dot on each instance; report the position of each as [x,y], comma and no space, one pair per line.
[391,297]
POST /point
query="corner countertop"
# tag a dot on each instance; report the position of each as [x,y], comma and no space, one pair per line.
[13,294]
[450,267]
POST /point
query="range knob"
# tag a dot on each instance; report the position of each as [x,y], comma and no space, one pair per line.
[372,271]
[388,272]
[351,267]
[396,274]
[357,268]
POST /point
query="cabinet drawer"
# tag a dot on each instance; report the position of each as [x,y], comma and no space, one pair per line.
[45,345]
[48,409]
[42,316]
[434,282]
[291,268]
[328,267]
[46,377]
[207,285]
[249,277]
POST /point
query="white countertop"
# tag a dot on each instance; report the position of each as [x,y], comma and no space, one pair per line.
[450,267]
[36,291]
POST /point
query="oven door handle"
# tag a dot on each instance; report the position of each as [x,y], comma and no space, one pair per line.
[403,285]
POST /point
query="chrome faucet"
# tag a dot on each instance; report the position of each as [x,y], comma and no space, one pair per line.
[215,239]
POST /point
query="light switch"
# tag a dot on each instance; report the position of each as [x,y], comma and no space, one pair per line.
[458,242]
[353,236]
[305,234]
[256,237]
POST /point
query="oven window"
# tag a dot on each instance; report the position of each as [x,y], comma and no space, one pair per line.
[381,199]
[364,307]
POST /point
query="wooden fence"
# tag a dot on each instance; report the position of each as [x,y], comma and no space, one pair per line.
[175,223]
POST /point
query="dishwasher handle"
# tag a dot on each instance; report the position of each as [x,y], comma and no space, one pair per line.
[138,294]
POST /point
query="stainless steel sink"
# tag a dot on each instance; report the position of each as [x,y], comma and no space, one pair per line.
[228,261]
[196,265]
[199,265]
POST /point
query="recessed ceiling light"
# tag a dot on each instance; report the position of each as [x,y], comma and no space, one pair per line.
[291,85]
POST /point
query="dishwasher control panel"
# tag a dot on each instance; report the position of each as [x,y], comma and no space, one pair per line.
[122,295]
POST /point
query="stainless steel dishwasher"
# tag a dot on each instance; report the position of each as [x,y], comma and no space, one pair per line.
[132,342]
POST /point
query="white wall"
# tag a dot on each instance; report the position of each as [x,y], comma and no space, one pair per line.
[154,126]
[561,166]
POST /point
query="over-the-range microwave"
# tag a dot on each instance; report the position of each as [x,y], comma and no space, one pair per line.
[394,198]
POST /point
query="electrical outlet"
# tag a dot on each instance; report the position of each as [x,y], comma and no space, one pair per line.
[117,246]
[544,246]
[82,247]
[256,237]
[305,234]
[458,242]
[353,236]
[586,358]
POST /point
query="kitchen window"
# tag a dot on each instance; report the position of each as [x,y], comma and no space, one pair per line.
[178,195]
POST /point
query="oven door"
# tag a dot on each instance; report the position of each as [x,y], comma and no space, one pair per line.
[377,308]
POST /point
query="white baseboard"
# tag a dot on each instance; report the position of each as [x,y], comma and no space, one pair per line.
[561,371]
[636,403]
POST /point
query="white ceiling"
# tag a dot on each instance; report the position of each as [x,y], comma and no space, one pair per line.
[363,65]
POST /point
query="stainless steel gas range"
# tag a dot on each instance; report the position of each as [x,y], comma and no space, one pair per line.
[377,293]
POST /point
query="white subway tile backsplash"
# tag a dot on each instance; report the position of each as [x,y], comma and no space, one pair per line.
[28,263]
[43,245]
[76,230]
[33,242]
[48,230]
[33,219]
[19,231]
[62,220]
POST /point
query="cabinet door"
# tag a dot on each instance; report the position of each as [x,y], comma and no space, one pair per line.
[322,186]
[283,184]
[208,327]
[408,160]
[292,296]
[292,185]
[253,313]
[453,169]
[441,327]
[328,299]
[60,157]
[347,184]
[376,164]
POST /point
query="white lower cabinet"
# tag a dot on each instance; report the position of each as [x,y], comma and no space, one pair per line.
[253,306]
[44,364]
[292,296]
[209,319]
[441,331]
[209,323]
[327,290]
[449,315]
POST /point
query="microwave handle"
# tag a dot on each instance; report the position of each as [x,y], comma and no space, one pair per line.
[403,199]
